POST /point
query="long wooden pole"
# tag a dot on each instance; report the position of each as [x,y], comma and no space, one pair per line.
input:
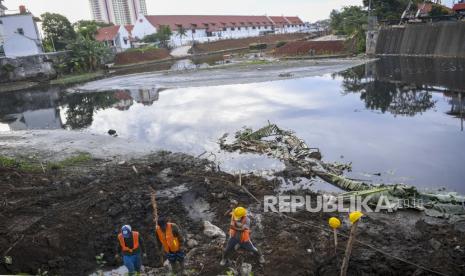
[335,240]
[153,200]
[350,243]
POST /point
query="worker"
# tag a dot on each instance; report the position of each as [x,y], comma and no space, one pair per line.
[130,244]
[239,235]
[170,242]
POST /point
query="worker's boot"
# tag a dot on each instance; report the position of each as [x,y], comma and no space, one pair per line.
[261,259]
[223,262]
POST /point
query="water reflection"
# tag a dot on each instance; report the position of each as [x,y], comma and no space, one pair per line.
[418,145]
[42,109]
[404,86]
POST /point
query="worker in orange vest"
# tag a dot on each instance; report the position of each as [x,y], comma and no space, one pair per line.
[239,235]
[130,244]
[170,242]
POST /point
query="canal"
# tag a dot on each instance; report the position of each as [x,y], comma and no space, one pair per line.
[397,120]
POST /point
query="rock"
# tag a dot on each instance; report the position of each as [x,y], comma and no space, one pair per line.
[112,132]
[164,174]
[192,243]
[435,244]
[285,75]
[121,162]
[212,231]
[246,269]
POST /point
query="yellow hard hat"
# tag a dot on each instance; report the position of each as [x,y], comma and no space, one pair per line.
[334,223]
[239,212]
[355,216]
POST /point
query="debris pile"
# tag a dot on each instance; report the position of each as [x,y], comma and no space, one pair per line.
[304,161]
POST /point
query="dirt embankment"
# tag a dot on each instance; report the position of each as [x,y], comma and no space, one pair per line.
[59,221]
[245,42]
[305,48]
[137,56]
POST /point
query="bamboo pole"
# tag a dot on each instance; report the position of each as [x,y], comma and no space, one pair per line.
[335,240]
[350,243]
[153,200]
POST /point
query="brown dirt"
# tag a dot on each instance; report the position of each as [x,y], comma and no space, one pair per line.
[245,42]
[59,222]
[141,56]
[302,48]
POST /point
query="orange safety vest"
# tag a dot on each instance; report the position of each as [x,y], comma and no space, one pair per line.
[245,236]
[135,241]
[170,243]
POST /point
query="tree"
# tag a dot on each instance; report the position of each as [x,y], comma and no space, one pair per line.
[350,21]
[439,10]
[88,28]
[181,32]
[162,36]
[58,30]
[389,9]
[87,54]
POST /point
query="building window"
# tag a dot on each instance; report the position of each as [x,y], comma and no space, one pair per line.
[238,28]
[20,31]
[233,29]
[1,22]
[225,29]
[193,31]
[253,28]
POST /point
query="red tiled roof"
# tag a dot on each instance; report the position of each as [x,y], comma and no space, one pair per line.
[279,20]
[424,8]
[294,20]
[129,28]
[107,33]
[209,21]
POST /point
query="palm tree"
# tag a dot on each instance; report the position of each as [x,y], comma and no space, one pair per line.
[181,32]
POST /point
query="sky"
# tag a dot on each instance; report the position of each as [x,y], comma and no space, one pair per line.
[308,10]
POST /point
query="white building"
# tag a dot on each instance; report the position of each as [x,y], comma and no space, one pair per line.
[204,28]
[118,37]
[19,35]
[118,12]
[2,8]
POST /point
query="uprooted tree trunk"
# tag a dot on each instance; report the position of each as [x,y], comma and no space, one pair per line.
[284,145]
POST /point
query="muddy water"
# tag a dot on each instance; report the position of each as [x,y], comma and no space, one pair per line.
[396,120]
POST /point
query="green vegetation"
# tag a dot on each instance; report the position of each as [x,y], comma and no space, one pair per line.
[88,28]
[7,68]
[77,78]
[257,46]
[58,31]
[181,31]
[37,166]
[161,37]
[141,50]
[351,21]
[389,9]
[87,55]
[439,10]
[280,44]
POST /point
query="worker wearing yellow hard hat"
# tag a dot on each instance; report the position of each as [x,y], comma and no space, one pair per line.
[355,216]
[334,223]
[239,235]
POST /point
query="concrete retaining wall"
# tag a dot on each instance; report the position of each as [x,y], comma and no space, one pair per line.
[441,39]
[36,67]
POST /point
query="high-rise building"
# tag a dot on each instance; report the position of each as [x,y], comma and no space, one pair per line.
[119,12]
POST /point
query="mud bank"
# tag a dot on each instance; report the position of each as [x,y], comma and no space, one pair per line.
[58,221]
[249,72]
